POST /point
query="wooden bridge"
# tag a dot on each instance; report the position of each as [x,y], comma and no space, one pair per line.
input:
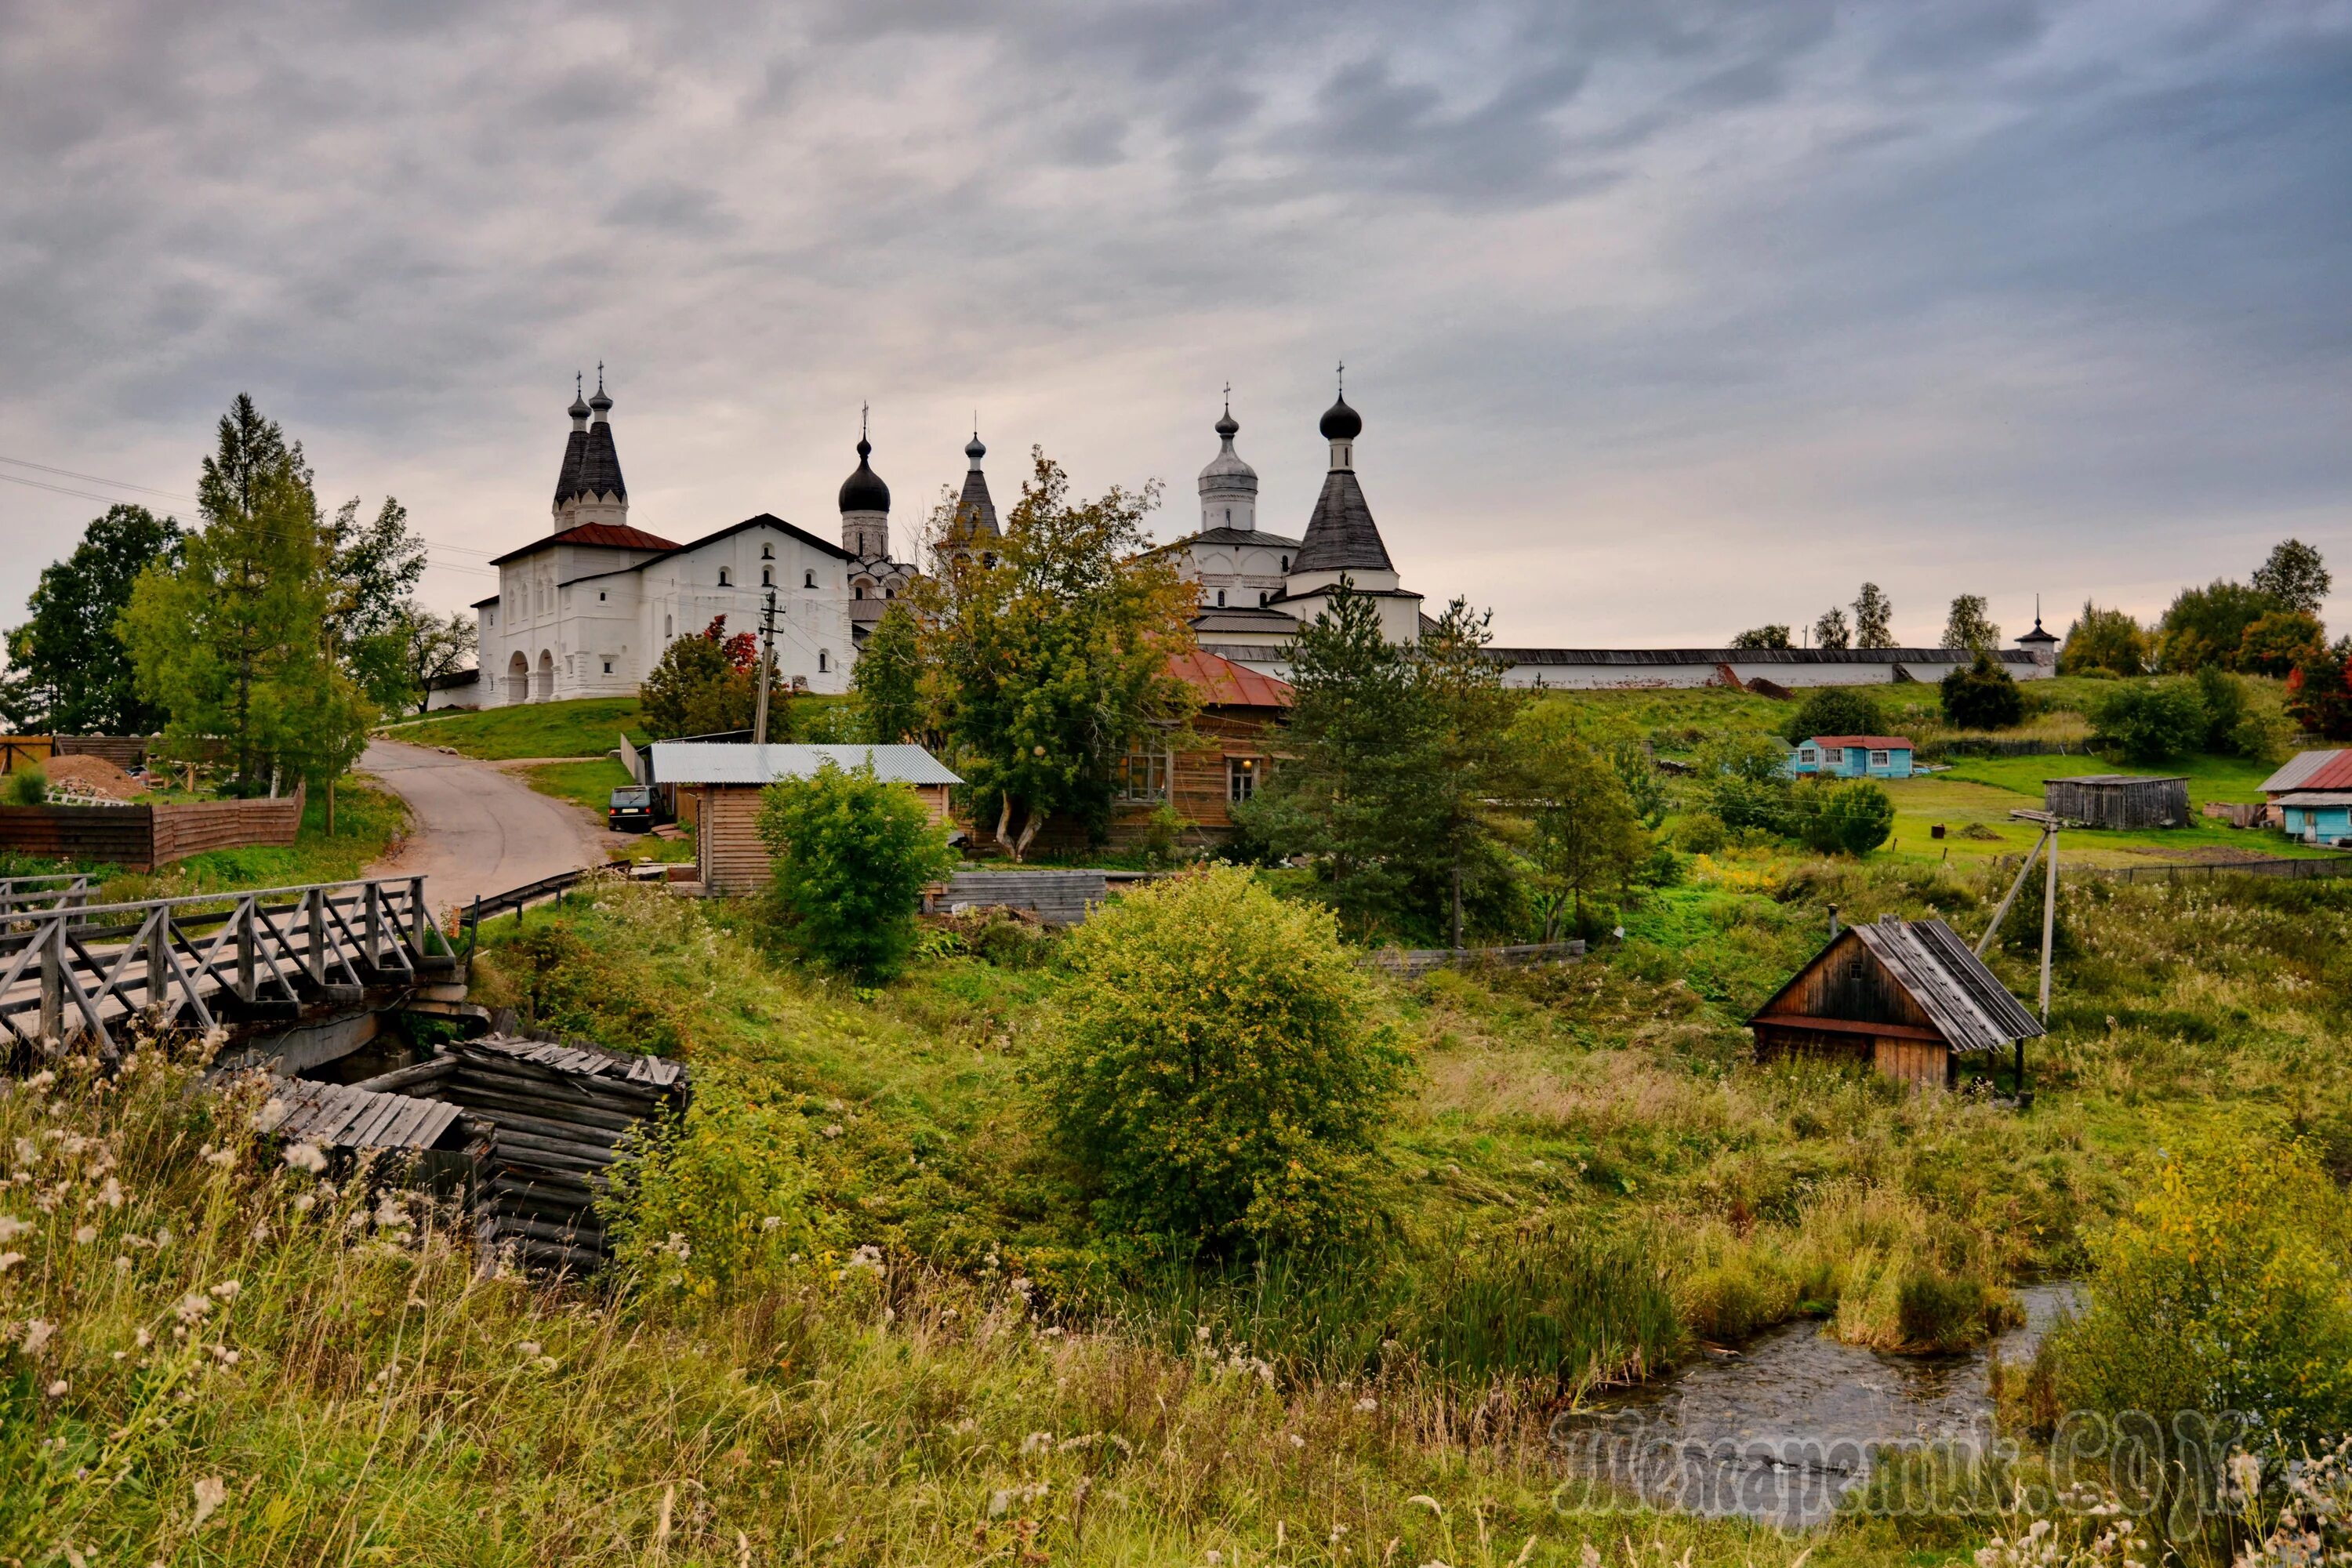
[69,968]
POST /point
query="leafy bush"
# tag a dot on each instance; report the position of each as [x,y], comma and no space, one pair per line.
[852,854]
[1849,817]
[2108,641]
[1702,833]
[28,786]
[1217,1075]
[1982,696]
[2226,1289]
[708,684]
[1833,710]
[2152,722]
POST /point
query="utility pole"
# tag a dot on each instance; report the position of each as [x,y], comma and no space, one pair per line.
[767,669]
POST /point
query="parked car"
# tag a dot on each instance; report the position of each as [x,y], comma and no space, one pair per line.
[631,809]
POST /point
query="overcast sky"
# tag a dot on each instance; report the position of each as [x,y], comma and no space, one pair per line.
[1665,318]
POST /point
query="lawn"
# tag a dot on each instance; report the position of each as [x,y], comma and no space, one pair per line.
[589,785]
[587,727]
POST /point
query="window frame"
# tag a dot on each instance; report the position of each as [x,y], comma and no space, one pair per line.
[1244,775]
[1157,766]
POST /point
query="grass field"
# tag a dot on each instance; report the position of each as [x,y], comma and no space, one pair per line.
[587,727]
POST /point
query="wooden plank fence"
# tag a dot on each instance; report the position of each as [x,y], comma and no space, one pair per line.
[141,838]
[1414,962]
[92,970]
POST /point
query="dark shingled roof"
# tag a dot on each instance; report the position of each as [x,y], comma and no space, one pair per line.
[1341,536]
[1972,1008]
[575,453]
[599,473]
[975,508]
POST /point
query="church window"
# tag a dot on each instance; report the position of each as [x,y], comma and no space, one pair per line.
[824,660]
[1261,599]
[808,579]
[599,596]
[669,628]
[726,578]
[767,576]
[1220,599]
[608,667]
[889,592]
[1285,564]
[767,553]
[1241,777]
[860,589]
[1142,776]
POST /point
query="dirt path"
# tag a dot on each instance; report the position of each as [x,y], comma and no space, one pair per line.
[478,830]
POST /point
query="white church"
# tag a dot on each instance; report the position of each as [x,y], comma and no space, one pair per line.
[586,609]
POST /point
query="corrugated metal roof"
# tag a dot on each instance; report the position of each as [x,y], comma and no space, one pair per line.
[2312,770]
[1222,683]
[2308,798]
[1867,743]
[1969,1004]
[741,763]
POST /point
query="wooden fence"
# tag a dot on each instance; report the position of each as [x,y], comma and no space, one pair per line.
[90,969]
[141,838]
[1414,962]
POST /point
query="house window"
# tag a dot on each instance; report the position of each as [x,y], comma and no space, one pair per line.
[608,667]
[726,578]
[1878,759]
[767,576]
[1807,754]
[808,579]
[1220,599]
[1141,776]
[1241,777]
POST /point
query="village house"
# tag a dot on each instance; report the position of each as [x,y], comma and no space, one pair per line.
[719,784]
[2311,797]
[1909,997]
[1853,756]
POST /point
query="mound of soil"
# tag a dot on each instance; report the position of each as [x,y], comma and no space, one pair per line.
[90,775]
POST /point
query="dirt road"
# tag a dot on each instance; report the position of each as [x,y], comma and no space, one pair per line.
[477,830]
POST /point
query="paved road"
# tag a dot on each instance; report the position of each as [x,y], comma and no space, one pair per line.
[477,830]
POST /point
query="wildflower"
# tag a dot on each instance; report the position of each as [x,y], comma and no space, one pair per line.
[528,1348]
[211,1492]
[11,1227]
[1366,1404]
[110,1193]
[772,1222]
[57,1389]
[37,1337]
[1201,1333]
[1215,1557]
[85,1234]
[9,1260]
[833,1129]
[1588,1556]
[223,1158]
[144,1338]
[226,1290]
[306,1157]
[192,1307]
[121,1264]
[867,1258]
[998,1502]
[40,1081]
[1037,1443]
[1296,1441]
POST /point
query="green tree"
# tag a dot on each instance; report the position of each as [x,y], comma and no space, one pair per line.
[1053,659]
[1473,765]
[1843,816]
[1981,695]
[1361,739]
[1873,617]
[1833,710]
[1746,781]
[2280,641]
[2104,639]
[2152,722]
[2319,693]
[70,672]
[2225,1289]
[2208,625]
[852,854]
[708,684]
[889,677]
[429,647]
[2295,576]
[1968,626]
[1831,631]
[1637,770]
[233,641]
[1775,636]
[375,566]
[1585,836]
[1219,1076]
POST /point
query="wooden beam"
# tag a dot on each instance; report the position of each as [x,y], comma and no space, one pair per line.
[1846,1026]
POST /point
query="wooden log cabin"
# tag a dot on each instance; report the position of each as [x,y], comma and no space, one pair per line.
[1906,996]
[718,785]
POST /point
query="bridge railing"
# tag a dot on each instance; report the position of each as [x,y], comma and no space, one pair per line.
[93,969]
[33,894]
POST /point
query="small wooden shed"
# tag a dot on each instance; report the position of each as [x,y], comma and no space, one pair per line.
[2117,800]
[1908,996]
[718,785]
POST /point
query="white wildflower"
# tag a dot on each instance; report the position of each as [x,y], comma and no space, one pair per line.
[37,1337]
[192,1307]
[1296,1441]
[211,1492]
[110,1193]
[57,1389]
[9,1260]
[528,1349]
[227,1289]
[833,1129]
[306,1157]
[1037,1443]
[144,1338]
[997,1504]
[867,1258]
[11,1227]
[223,1158]
[1366,1404]
[772,1222]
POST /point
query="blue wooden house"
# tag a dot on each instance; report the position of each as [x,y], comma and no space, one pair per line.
[1853,756]
[2313,797]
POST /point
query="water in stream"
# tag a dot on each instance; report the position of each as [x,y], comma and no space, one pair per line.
[1784,1429]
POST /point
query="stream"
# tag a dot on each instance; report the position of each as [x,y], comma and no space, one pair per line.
[1781,1430]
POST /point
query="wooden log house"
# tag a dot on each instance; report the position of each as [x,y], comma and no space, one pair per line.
[1906,996]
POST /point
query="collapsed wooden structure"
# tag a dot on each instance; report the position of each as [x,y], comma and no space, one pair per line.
[2117,800]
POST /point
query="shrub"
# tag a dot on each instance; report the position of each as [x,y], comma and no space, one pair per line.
[852,854]
[2151,723]
[1833,710]
[1701,833]
[1848,818]
[2226,1289]
[1217,1075]
[28,786]
[1983,697]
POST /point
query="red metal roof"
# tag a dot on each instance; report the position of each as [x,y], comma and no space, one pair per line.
[1220,683]
[598,535]
[1867,743]
[2312,770]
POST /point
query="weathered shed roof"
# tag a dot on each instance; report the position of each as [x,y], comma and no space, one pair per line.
[1969,1005]
[743,762]
[2312,770]
[2306,799]
[2115,780]
[343,1117]
[585,1060]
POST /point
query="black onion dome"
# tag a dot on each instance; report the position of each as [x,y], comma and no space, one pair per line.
[1342,423]
[864,490]
[1229,426]
[975,450]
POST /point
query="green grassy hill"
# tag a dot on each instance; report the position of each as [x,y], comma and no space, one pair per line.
[587,727]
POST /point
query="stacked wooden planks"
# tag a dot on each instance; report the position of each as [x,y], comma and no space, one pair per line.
[559,1115]
[348,1116]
